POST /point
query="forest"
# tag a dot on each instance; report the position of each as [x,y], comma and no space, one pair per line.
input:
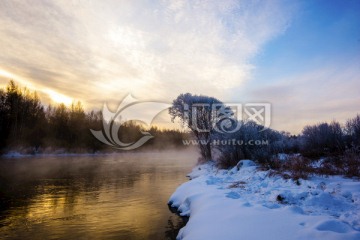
[28,126]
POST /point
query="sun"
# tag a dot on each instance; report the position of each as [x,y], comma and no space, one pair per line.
[58,97]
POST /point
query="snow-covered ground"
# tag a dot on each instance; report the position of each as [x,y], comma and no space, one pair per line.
[250,204]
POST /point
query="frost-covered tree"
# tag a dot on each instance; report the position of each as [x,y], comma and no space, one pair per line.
[251,141]
[195,112]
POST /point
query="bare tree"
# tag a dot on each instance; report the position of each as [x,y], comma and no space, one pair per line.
[352,128]
[323,139]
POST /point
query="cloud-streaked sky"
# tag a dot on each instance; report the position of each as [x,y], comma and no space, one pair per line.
[301,56]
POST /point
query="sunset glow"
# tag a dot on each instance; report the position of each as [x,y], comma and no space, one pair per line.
[107,105]
[58,97]
[271,51]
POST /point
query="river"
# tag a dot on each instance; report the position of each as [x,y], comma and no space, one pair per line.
[122,196]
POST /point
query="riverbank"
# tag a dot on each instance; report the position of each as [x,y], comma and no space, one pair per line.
[247,203]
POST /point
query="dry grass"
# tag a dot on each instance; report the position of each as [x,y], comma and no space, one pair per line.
[296,167]
[351,162]
[239,184]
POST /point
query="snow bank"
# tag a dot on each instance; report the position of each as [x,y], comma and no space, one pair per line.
[249,204]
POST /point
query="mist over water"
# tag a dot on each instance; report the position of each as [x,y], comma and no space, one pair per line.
[121,196]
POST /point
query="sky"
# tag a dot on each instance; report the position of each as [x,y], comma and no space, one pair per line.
[302,57]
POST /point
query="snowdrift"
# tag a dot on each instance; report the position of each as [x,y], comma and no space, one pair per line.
[245,203]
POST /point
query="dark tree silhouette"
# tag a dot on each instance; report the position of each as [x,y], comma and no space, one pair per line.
[26,124]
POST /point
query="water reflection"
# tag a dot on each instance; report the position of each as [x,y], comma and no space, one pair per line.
[174,226]
[111,197]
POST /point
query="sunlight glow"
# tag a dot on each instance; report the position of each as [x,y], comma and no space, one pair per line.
[58,97]
[11,76]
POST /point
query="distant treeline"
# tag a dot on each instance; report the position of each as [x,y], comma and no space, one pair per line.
[26,125]
[338,145]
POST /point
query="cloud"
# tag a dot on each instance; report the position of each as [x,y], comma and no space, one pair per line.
[318,95]
[98,51]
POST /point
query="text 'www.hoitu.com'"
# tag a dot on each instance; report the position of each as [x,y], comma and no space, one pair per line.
[230,142]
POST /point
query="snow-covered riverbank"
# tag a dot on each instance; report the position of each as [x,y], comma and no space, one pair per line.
[250,204]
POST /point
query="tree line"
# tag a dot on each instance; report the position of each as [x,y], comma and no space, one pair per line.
[337,145]
[28,126]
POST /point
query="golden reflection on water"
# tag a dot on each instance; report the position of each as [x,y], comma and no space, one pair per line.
[116,197]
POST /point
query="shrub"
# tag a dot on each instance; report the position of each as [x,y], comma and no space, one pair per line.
[275,163]
[323,140]
[298,167]
[229,158]
[250,132]
[351,162]
[330,166]
[352,128]
[295,167]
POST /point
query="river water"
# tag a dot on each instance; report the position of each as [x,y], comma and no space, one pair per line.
[121,196]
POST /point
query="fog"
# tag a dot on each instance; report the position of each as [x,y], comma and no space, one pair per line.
[114,195]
